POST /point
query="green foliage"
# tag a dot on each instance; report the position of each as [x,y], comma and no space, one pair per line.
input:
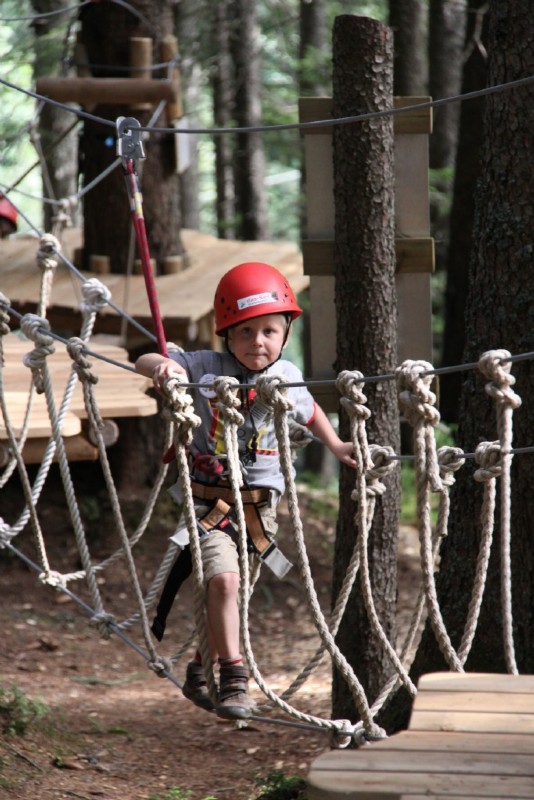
[177,793]
[444,436]
[17,711]
[276,786]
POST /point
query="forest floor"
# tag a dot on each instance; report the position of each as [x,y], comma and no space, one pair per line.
[112,729]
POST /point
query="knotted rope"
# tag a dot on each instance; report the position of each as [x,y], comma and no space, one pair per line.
[416,402]
[496,366]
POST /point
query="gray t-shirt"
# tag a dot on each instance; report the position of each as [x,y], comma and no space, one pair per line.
[258,446]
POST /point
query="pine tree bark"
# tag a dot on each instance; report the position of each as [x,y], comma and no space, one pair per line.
[57,128]
[364,258]
[249,158]
[222,82]
[105,32]
[405,20]
[467,171]
[446,38]
[499,314]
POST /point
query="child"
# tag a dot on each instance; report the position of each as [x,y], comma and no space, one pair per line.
[254,307]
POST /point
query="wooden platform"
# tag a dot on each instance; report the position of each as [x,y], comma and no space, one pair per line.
[185,298]
[470,736]
[119,393]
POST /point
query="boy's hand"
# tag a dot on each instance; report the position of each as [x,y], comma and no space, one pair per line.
[164,370]
[344,452]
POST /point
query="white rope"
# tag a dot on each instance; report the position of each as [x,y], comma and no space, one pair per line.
[494,366]
[434,470]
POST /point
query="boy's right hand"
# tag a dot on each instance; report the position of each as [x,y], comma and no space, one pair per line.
[164,370]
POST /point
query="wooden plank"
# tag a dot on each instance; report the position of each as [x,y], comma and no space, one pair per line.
[77,448]
[493,702]
[325,784]
[459,741]
[98,91]
[475,681]
[429,762]
[39,421]
[414,121]
[458,721]
[412,254]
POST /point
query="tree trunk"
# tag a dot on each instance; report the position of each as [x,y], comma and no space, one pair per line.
[313,82]
[364,257]
[57,138]
[405,19]
[190,75]
[106,30]
[223,106]
[249,160]
[467,172]
[446,37]
[499,313]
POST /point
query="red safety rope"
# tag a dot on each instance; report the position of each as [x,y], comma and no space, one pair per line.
[136,209]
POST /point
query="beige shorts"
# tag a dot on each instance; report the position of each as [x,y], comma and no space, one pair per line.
[219,551]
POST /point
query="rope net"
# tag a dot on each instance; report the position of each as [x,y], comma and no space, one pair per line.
[435,469]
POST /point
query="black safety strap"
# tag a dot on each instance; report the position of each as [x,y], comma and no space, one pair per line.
[180,572]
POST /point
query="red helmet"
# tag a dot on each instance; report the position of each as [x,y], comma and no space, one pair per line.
[8,211]
[252,290]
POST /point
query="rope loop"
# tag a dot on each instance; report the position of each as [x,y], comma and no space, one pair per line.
[4,532]
[161,665]
[416,400]
[342,733]
[49,247]
[271,391]
[488,455]
[65,208]
[349,384]
[95,296]
[4,315]
[226,389]
[81,365]
[382,466]
[450,459]
[102,622]
[52,578]
[180,409]
[494,364]
[35,328]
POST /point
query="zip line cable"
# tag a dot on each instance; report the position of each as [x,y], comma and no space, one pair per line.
[331,122]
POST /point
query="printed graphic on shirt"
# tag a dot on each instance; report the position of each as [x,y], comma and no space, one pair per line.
[259,437]
[207,389]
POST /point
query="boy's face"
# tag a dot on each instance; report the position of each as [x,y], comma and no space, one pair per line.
[258,342]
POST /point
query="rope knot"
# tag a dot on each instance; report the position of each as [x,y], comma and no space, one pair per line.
[270,390]
[450,459]
[52,578]
[382,464]
[35,328]
[488,455]
[349,384]
[4,315]
[180,409]
[82,365]
[228,402]
[494,364]
[161,665]
[416,400]
[102,622]
[47,252]
[95,296]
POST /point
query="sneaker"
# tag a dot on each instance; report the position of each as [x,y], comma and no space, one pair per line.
[234,702]
[195,687]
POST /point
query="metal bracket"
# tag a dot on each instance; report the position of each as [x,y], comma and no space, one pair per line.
[129,143]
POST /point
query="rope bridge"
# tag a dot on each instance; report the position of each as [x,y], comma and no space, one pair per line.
[434,469]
